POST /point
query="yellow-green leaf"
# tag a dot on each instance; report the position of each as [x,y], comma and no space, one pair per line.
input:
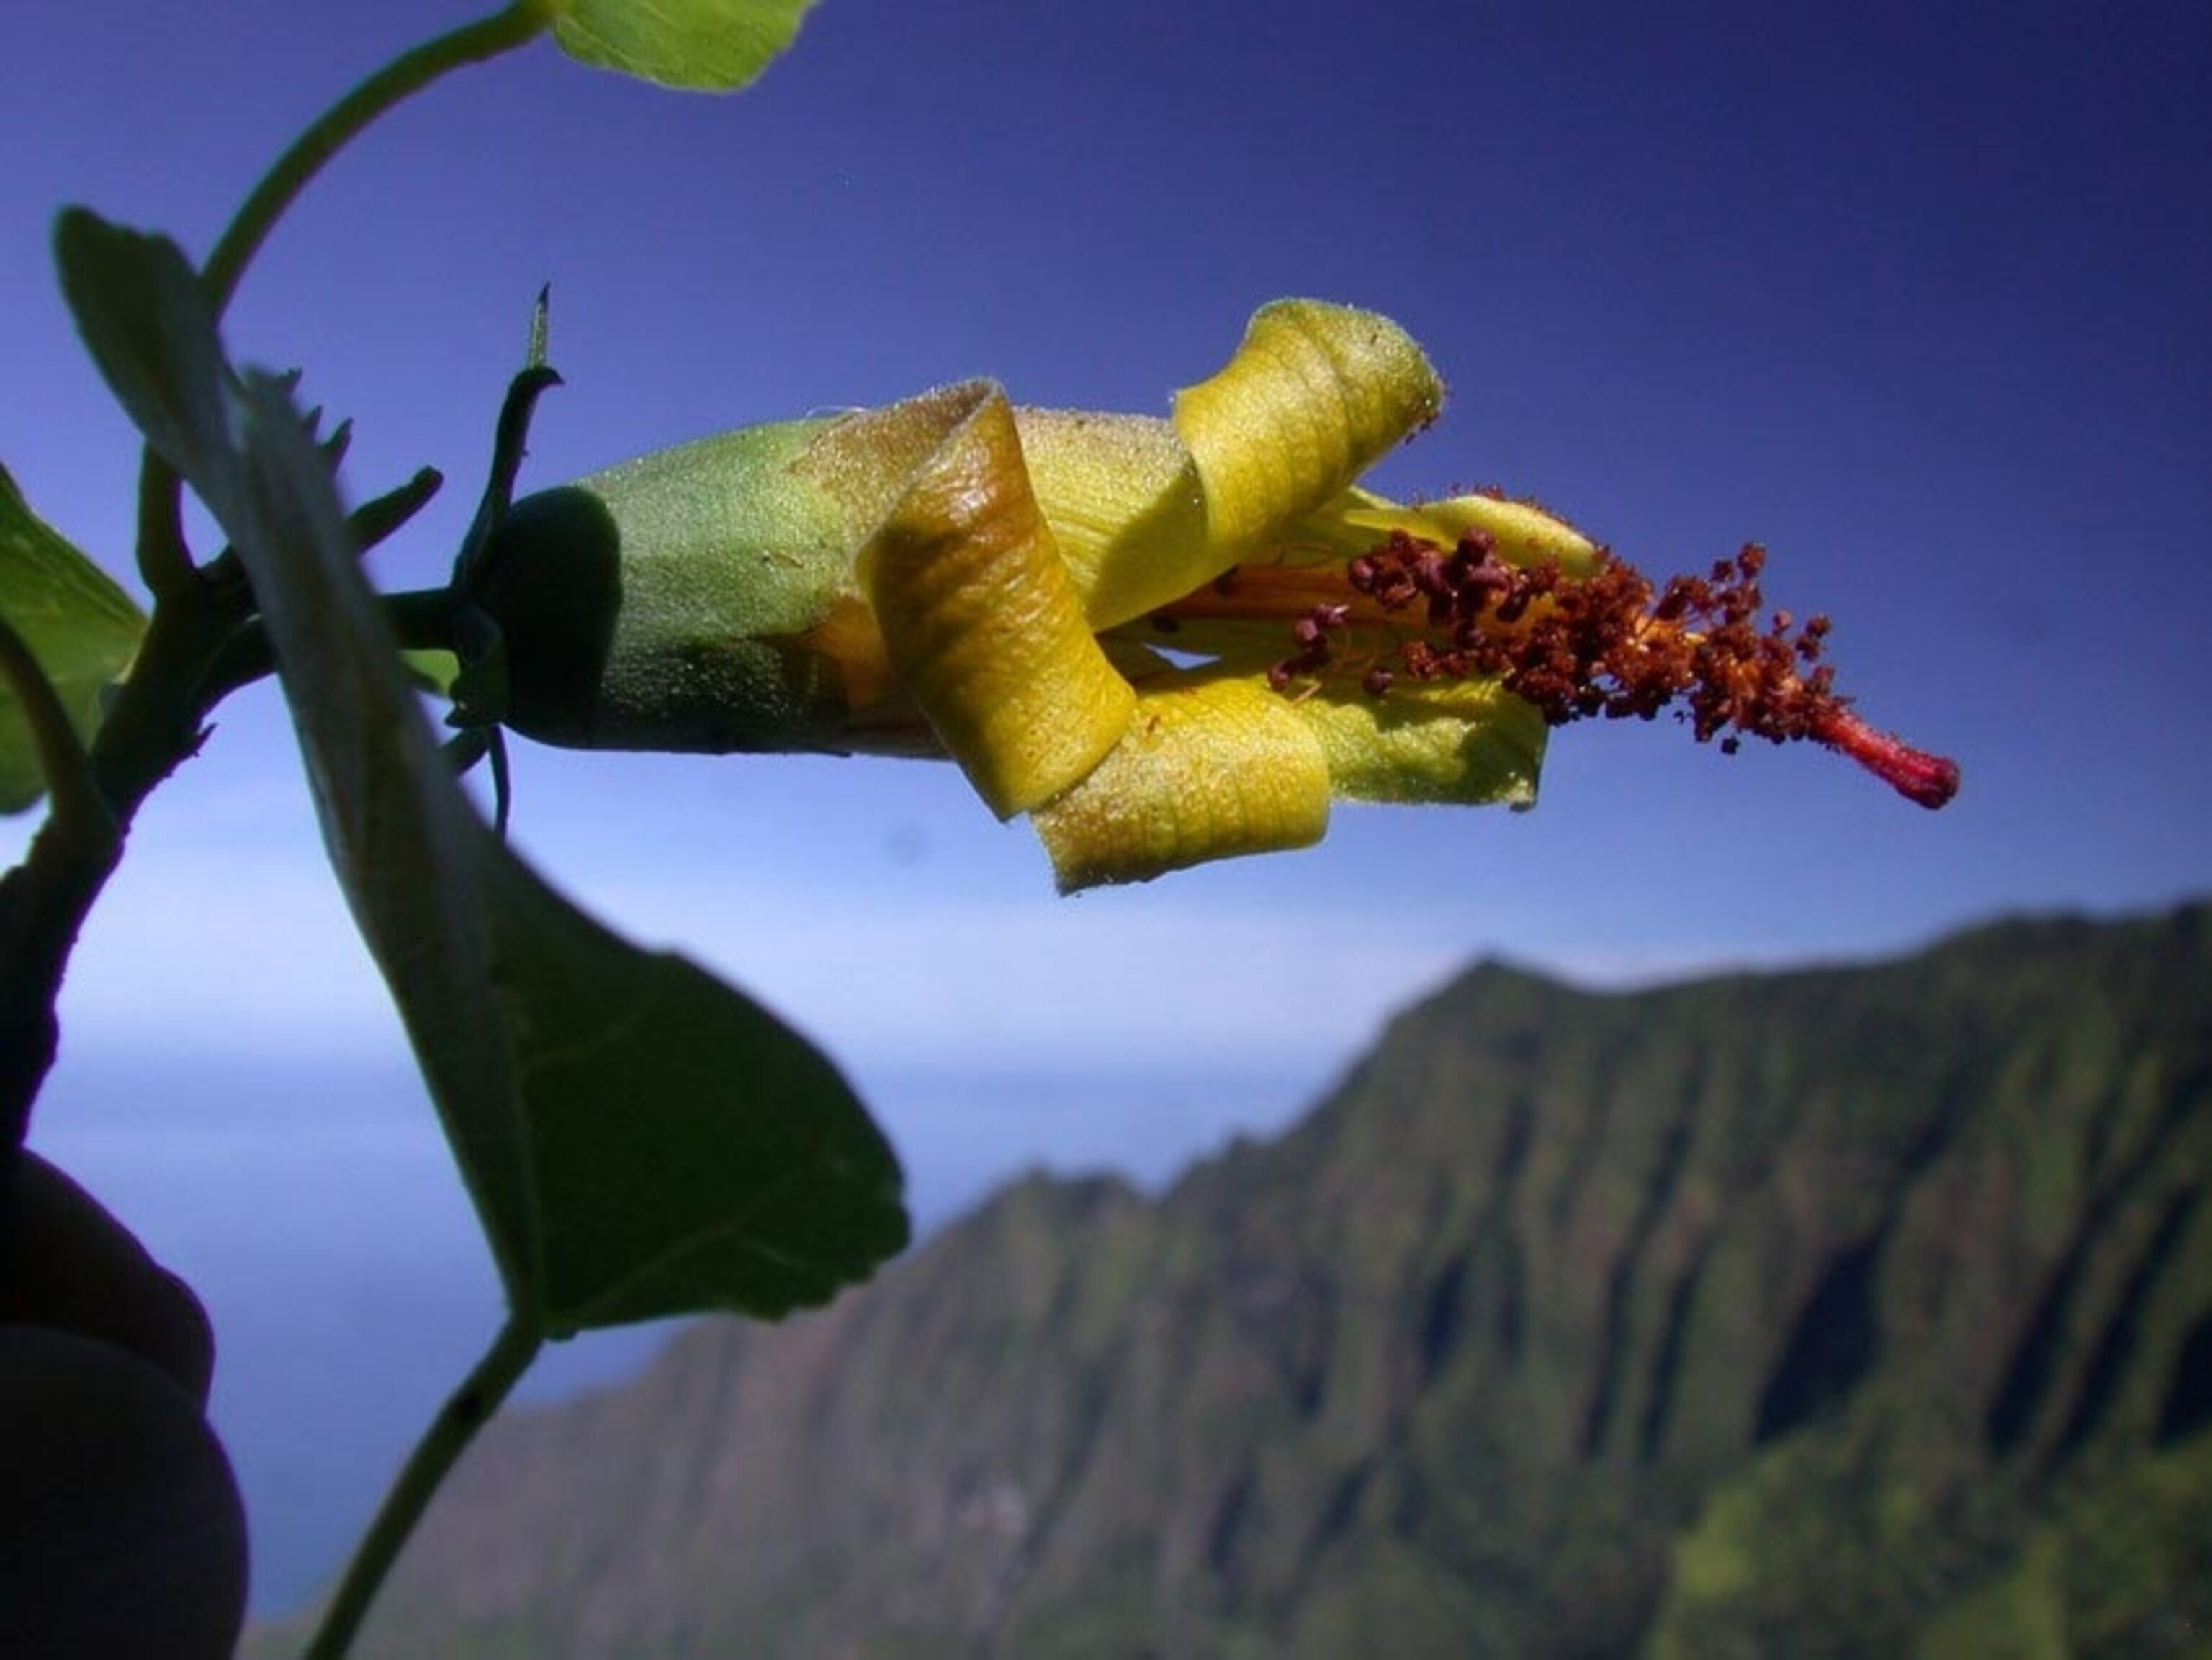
[80,626]
[700,45]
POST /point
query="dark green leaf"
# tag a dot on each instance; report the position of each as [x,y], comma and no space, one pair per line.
[705,45]
[683,1142]
[639,1140]
[79,625]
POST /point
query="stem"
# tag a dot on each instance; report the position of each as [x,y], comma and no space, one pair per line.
[514,26]
[470,1408]
[164,561]
[154,725]
[81,827]
[420,619]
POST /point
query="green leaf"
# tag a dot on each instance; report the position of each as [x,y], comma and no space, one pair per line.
[703,45]
[78,624]
[639,1140]
[680,1136]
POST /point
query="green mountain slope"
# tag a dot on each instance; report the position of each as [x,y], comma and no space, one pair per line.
[1858,1312]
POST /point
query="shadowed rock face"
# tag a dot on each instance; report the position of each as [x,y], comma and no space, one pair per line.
[1863,1311]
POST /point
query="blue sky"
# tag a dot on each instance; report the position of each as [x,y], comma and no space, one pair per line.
[1917,300]
[1919,296]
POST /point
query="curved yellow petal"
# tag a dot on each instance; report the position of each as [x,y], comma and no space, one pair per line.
[1124,502]
[1314,395]
[982,625]
[1209,770]
[1467,742]
[1525,535]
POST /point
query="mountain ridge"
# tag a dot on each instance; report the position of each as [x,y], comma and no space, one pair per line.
[1800,1312]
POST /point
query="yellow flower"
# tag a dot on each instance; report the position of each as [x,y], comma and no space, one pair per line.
[1165,640]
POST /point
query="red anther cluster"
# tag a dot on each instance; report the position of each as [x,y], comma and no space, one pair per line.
[1311,632]
[1405,569]
[1606,645]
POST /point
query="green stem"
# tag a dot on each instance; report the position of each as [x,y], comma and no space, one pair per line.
[450,1432]
[514,26]
[79,820]
[154,725]
[164,561]
[420,619]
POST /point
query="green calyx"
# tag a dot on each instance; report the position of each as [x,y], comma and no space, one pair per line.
[660,604]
